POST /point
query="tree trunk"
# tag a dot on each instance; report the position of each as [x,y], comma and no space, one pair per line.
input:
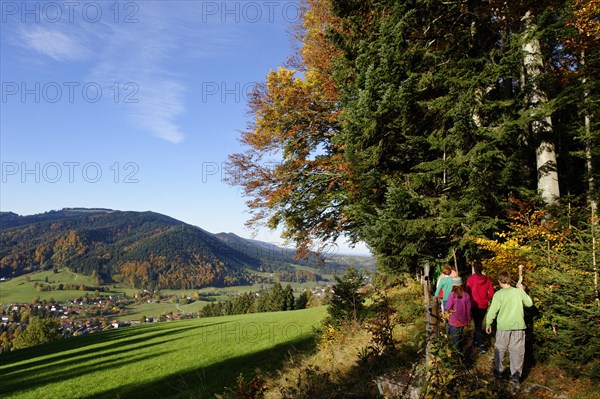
[455,260]
[431,314]
[541,128]
[587,132]
[594,263]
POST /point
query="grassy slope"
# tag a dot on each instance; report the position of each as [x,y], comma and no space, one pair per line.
[185,359]
[20,290]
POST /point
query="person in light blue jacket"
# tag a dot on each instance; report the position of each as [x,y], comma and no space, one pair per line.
[445,286]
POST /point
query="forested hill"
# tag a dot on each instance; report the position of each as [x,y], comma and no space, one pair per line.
[142,249]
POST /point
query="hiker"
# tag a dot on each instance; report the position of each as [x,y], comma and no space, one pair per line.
[444,285]
[480,288]
[507,309]
[459,307]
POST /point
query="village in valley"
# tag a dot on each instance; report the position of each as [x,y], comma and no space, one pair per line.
[93,312]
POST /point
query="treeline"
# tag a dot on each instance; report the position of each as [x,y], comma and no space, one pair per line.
[39,287]
[275,299]
[286,266]
[299,276]
[293,276]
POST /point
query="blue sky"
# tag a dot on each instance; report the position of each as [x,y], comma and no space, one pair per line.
[133,105]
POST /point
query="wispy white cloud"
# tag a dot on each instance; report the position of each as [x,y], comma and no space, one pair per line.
[159,105]
[52,42]
[139,54]
[154,54]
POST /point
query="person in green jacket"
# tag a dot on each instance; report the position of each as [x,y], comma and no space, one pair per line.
[507,309]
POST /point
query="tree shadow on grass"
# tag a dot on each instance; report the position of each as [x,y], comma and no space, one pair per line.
[74,367]
[22,377]
[204,382]
[55,351]
[21,387]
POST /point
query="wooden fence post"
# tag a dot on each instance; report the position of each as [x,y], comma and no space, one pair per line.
[432,313]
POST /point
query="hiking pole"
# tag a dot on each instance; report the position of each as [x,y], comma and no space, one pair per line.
[520,282]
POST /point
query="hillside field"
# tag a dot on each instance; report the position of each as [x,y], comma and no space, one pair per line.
[22,289]
[184,359]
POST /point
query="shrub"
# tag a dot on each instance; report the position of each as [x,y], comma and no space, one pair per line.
[346,303]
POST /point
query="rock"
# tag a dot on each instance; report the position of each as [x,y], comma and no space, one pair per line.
[395,386]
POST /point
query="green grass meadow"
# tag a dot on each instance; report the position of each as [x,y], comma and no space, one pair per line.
[185,359]
[21,289]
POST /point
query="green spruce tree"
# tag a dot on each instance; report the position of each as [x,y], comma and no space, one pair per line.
[288,294]
[346,303]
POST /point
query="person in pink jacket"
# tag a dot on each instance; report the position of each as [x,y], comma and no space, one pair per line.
[480,288]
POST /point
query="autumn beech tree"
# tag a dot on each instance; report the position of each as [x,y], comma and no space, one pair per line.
[293,170]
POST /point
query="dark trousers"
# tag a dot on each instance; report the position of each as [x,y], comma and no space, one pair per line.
[456,334]
[480,336]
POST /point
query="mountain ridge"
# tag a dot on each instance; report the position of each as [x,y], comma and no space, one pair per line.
[142,249]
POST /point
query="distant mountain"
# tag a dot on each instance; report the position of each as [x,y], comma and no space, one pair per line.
[273,257]
[142,249]
[11,219]
[277,259]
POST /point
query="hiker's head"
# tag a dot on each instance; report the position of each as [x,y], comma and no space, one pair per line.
[504,277]
[477,267]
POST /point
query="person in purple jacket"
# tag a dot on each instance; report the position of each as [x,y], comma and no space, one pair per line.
[459,307]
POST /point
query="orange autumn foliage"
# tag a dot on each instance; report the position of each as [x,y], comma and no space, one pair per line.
[586,18]
[528,229]
[293,169]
